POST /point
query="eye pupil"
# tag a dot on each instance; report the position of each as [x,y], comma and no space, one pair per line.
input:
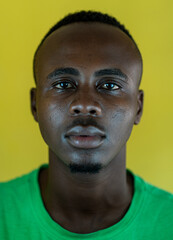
[110,86]
[64,85]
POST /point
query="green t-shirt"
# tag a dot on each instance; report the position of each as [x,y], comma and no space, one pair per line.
[24,217]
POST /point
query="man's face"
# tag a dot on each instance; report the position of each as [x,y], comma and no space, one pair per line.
[87,97]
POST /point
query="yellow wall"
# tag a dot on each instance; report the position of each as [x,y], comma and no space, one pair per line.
[23,24]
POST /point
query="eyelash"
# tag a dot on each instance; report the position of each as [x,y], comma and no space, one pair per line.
[99,86]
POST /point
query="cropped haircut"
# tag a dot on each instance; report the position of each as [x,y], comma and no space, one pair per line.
[83,16]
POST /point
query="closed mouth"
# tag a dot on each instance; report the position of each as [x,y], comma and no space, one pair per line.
[86,138]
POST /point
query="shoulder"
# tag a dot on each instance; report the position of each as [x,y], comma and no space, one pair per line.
[151,211]
[157,204]
[157,194]
[160,200]
[16,198]
[15,188]
[153,192]
[16,203]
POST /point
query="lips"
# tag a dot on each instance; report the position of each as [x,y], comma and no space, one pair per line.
[85,137]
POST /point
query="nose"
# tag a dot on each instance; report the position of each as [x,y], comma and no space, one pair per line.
[85,105]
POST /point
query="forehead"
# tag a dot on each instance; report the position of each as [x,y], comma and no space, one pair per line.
[88,47]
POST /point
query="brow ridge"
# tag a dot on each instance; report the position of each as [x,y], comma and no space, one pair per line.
[60,71]
[73,71]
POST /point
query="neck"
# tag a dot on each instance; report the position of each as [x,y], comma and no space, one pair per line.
[69,195]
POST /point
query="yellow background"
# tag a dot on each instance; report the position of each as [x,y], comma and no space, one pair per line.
[24,23]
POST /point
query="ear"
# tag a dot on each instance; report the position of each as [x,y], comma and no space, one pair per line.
[33,92]
[140,101]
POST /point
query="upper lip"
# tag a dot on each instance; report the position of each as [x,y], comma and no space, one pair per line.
[84,131]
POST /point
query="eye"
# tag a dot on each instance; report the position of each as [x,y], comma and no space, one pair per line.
[63,85]
[109,86]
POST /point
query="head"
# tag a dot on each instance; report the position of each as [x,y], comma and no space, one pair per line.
[87,71]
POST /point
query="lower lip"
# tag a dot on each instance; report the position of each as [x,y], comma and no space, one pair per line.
[85,142]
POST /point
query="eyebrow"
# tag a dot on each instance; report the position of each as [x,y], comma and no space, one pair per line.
[75,72]
[62,71]
[111,71]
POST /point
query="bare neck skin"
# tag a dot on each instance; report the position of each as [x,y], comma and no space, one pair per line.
[85,203]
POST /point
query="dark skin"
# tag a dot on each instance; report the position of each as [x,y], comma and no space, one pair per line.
[109,101]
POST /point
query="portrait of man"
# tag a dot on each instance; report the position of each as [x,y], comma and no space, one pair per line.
[87,70]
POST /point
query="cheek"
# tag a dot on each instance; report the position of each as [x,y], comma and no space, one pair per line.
[50,118]
[123,107]
[122,118]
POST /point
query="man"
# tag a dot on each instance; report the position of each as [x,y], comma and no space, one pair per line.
[87,71]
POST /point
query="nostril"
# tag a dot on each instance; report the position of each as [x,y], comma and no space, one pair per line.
[85,110]
[76,111]
[93,112]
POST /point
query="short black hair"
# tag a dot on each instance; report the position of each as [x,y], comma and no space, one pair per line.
[82,16]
